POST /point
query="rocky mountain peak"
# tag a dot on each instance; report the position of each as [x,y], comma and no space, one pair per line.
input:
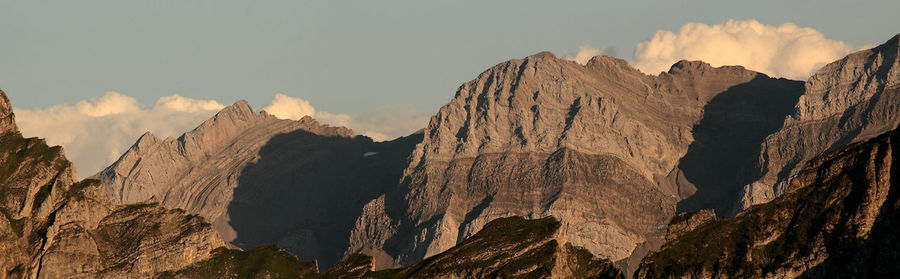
[7,118]
[146,141]
[850,81]
[688,66]
[546,136]
[541,55]
[238,109]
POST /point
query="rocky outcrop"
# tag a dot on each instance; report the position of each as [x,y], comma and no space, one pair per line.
[261,262]
[688,221]
[263,180]
[837,219]
[600,146]
[53,227]
[511,247]
[849,100]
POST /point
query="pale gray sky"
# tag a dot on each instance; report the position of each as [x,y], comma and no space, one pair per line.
[345,56]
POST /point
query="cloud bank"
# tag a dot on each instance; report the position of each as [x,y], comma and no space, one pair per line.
[784,51]
[97,131]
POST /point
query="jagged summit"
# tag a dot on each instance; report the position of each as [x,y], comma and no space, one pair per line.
[236,128]
[545,136]
[7,117]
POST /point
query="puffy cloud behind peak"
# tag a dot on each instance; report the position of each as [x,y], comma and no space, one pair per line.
[110,103]
[786,50]
[585,53]
[384,123]
[287,107]
[95,132]
[179,103]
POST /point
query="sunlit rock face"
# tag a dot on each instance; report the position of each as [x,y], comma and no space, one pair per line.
[599,146]
[54,227]
[263,180]
[837,219]
[610,151]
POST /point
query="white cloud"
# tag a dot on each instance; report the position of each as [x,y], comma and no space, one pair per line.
[181,104]
[96,132]
[783,51]
[286,107]
[384,123]
[585,53]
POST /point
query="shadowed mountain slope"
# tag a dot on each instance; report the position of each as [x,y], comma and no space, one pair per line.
[849,100]
[838,219]
[597,145]
[263,180]
[610,151]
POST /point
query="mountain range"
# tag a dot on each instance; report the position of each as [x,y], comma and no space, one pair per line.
[608,164]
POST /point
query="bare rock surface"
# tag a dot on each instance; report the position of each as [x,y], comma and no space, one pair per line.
[263,180]
[837,219]
[849,100]
[512,247]
[7,118]
[599,146]
[54,227]
[610,151]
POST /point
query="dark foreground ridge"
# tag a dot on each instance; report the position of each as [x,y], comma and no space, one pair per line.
[510,247]
[838,219]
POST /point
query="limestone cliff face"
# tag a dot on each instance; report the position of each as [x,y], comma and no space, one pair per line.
[847,101]
[598,146]
[837,219]
[263,180]
[53,227]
